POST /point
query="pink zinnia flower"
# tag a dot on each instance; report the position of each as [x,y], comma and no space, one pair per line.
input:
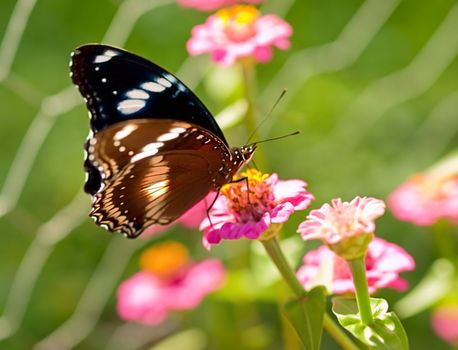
[141,298]
[237,213]
[445,323]
[346,227]
[384,262]
[239,32]
[425,198]
[168,282]
[210,5]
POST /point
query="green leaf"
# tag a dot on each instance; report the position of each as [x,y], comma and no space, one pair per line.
[306,317]
[385,333]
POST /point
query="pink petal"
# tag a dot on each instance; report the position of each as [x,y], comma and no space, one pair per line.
[425,198]
[263,53]
[140,298]
[444,322]
[282,212]
[199,280]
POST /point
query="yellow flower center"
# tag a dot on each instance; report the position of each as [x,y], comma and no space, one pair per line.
[164,259]
[253,204]
[238,21]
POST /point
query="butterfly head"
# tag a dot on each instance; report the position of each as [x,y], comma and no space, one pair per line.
[247,152]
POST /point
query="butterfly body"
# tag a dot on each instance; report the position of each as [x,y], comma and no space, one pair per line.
[154,150]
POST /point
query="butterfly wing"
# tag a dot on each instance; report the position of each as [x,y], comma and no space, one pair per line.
[152,172]
[153,190]
[118,85]
[114,147]
[154,149]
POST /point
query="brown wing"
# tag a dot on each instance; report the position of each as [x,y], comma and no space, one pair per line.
[153,190]
[113,148]
[151,172]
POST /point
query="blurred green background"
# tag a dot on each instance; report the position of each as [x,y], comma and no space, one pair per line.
[372,87]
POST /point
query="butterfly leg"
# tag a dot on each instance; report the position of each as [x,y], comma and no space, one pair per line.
[211,206]
[245,178]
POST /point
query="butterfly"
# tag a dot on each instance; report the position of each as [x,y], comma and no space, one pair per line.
[153,150]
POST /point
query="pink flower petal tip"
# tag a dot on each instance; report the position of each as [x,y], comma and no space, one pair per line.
[445,323]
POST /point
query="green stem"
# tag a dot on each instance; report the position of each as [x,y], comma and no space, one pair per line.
[358,271]
[272,247]
[251,120]
[274,251]
[338,333]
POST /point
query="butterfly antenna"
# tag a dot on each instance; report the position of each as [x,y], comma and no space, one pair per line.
[267,115]
[275,138]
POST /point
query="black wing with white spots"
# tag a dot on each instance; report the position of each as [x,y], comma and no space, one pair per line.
[118,85]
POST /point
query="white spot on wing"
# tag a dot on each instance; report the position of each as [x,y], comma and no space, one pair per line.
[153,145]
[131,106]
[124,132]
[105,226]
[147,151]
[170,77]
[153,87]
[168,136]
[164,82]
[105,57]
[137,93]
[178,130]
